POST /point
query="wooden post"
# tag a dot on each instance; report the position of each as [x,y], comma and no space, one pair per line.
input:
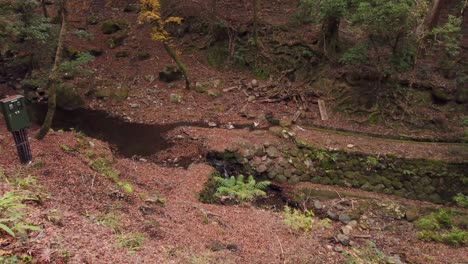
[323,110]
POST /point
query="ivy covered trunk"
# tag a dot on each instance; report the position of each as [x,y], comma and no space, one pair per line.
[330,35]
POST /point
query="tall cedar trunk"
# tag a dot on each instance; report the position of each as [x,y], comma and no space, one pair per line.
[255,20]
[213,14]
[330,35]
[179,63]
[44,9]
[52,81]
[433,17]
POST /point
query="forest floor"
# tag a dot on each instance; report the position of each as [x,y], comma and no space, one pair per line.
[87,218]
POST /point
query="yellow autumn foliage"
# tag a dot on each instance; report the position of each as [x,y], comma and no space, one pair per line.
[151,13]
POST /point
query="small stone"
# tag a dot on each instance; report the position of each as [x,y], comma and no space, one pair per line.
[332,215]
[394,260]
[329,247]
[350,146]
[344,240]
[261,169]
[232,247]
[91,144]
[276,131]
[338,249]
[175,98]
[411,214]
[346,230]
[251,98]
[353,223]
[280,178]
[259,151]
[344,218]
[318,205]
[134,105]
[272,152]
[285,122]
[214,93]
[254,83]
[212,124]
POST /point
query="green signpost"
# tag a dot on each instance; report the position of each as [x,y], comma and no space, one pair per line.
[17,121]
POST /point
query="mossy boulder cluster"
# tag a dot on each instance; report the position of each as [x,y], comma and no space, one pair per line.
[427,180]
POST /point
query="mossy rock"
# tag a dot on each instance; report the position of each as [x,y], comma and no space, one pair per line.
[170,74]
[110,27]
[68,98]
[294,180]
[280,178]
[440,96]
[70,53]
[325,181]
[461,96]
[92,20]
[115,93]
[202,87]
[96,52]
[143,55]
[131,8]
[177,99]
[213,93]
[116,41]
[122,54]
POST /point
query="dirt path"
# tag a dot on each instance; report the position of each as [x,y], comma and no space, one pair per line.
[372,145]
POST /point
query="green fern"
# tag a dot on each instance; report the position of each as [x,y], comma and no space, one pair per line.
[239,189]
[298,221]
[12,214]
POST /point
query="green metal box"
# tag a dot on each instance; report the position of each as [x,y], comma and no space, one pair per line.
[15,113]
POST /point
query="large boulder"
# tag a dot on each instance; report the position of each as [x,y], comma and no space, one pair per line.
[110,27]
[117,93]
[68,98]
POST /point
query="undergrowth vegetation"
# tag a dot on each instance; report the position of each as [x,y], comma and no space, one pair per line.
[15,206]
[240,189]
[233,189]
[444,227]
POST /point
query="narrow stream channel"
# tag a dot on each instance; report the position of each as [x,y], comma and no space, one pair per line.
[128,139]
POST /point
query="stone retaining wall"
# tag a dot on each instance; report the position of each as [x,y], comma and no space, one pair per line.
[428,180]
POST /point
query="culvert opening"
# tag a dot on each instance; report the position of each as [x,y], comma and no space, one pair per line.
[226,166]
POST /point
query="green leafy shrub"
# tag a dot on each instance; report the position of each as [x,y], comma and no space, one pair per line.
[455,237]
[240,190]
[12,214]
[103,166]
[72,68]
[435,221]
[448,35]
[298,221]
[131,241]
[461,200]
[355,55]
[441,227]
[366,254]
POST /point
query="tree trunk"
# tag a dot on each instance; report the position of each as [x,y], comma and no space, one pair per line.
[179,63]
[329,38]
[53,77]
[433,16]
[213,14]
[44,9]
[255,20]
